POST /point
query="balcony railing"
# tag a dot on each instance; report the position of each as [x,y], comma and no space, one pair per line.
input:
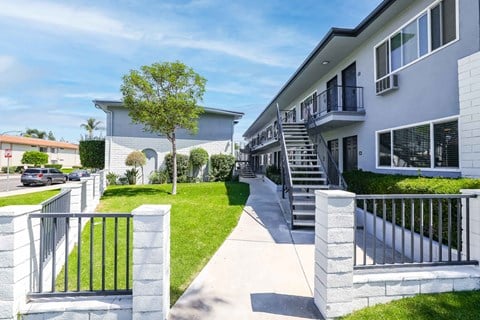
[338,99]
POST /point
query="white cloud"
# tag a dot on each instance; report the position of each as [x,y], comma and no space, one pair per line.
[66,18]
[93,95]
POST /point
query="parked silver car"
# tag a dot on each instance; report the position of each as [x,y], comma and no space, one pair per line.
[45,176]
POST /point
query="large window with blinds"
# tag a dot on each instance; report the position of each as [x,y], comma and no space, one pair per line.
[428,145]
[432,29]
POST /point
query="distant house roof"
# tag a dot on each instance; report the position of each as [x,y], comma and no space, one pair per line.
[37,142]
[104,104]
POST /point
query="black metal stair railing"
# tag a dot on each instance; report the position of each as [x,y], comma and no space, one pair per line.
[329,165]
[286,173]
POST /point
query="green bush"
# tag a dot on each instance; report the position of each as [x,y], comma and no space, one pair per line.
[34,157]
[92,153]
[112,178]
[222,166]
[273,173]
[54,165]
[131,176]
[158,177]
[198,157]
[364,182]
[182,167]
[11,170]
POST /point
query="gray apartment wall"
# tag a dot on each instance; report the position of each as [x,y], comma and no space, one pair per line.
[428,88]
[211,127]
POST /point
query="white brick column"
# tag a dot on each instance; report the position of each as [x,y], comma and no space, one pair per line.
[469,98]
[151,262]
[334,236]
[474,223]
[17,248]
[89,190]
[75,197]
[95,184]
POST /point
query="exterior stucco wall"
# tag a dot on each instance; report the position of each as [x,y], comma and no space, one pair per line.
[210,127]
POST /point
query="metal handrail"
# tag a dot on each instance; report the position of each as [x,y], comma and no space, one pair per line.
[285,166]
[342,184]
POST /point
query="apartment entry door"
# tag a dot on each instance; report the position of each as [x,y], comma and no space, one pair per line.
[350,150]
[333,148]
[349,92]
[332,97]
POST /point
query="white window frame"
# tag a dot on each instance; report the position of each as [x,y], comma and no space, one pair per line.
[432,167]
[427,10]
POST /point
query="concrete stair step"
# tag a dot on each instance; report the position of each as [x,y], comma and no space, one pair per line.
[310,186]
[303,212]
[304,203]
[308,179]
[303,194]
[303,223]
[315,173]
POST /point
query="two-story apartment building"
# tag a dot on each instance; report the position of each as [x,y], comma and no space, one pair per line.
[396,94]
[215,135]
[58,152]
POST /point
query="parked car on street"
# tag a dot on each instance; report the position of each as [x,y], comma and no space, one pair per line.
[77,174]
[45,176]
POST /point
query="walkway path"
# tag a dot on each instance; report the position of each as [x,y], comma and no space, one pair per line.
[262,271]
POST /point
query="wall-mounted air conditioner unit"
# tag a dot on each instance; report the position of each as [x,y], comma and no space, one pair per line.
[386,84]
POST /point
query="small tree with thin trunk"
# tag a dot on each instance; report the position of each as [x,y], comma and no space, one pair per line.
[136,159]
[34,157]
[164,98]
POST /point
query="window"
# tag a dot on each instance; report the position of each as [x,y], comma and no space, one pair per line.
[43,149]
[385,149]
[417,38]
[430,145]
[446,144]
[411,147]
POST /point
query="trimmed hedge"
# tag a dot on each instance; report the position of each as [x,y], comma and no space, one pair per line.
[11,170]
[92,153]
[182,167]
[364,182]
[54,165]
[273,173]
[221,167]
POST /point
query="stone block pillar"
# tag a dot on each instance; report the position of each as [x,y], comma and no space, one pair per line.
[17,248]
[469,100]
[75,197]
[474,205]
[334,241]
[151,262]
[89,190]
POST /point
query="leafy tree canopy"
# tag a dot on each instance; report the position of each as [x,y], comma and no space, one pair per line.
[34,157]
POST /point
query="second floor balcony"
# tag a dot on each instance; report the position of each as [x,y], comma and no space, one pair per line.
[335,107]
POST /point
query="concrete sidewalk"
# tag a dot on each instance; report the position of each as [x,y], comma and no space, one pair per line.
[262,270]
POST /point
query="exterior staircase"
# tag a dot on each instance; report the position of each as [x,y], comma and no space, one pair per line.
[246,172]
[306,174]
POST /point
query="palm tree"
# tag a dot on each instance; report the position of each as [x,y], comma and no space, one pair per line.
[35,133]
[91,125]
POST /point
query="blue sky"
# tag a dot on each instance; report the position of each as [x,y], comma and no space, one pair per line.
[57,56]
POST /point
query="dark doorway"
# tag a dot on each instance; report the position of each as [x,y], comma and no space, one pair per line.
[332,172]
[349,92]
[350,160]
[332,96]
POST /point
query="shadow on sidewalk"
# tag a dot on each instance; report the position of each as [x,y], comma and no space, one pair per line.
[284,304]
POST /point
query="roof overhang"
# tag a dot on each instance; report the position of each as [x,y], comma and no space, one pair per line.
[105,104]
[337,45]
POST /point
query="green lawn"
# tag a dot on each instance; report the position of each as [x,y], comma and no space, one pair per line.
[445,306]
[202,216]
[27,199]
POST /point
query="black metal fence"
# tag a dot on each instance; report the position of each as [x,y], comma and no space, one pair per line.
[400,230]
[57,203]
[95,257]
